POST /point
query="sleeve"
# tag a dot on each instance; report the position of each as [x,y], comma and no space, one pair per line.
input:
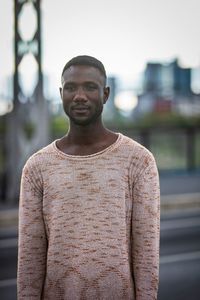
[32,238]
[146,232]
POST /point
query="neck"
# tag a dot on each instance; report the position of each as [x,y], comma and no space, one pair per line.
[87,134]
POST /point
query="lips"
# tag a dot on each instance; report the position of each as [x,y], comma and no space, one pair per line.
[80,108]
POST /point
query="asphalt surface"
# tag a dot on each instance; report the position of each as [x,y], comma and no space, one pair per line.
[179,258]
[178,182]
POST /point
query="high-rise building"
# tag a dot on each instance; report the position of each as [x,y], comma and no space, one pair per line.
[110,108]
[168,87]
[167,79]
[181,79]
[153,77]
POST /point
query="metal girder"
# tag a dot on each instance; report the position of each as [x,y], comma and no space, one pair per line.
[22,47]
[27,124]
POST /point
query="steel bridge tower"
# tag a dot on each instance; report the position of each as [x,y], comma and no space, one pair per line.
[27,124]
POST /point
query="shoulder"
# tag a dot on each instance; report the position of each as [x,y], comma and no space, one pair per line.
[134,149]
[40,158]
[137,157]
[140,160]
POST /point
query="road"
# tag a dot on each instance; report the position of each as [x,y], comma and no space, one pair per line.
[180,258]
[179,261]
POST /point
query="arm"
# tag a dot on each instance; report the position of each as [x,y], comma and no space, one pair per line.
[146,233]
[32,238]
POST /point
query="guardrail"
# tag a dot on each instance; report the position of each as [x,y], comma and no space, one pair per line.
[175,149]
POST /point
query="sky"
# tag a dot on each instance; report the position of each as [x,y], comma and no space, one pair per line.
[125,35]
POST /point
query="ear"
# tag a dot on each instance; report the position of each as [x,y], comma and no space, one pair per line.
[106,94]
[60,89]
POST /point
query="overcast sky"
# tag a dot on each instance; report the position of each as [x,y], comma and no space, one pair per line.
[123,34]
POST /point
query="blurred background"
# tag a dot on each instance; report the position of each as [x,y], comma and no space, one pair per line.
[151,51]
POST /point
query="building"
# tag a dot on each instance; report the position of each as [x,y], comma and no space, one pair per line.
[167,87]
[110,108]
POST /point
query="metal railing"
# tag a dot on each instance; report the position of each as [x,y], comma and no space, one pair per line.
[175,149]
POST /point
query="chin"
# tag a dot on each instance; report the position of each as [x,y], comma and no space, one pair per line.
[85,120]
[83,123]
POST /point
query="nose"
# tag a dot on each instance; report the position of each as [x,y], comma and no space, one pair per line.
[80,95]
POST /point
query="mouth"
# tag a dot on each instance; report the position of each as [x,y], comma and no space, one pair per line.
[80,108]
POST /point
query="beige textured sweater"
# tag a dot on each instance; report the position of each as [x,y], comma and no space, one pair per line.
[89,225]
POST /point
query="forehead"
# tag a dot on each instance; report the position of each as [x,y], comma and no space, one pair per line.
[82,73]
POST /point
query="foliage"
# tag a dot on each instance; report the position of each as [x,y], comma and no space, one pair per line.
[2,125]
[153,120]
[29,130]
[59,126]
[168,120]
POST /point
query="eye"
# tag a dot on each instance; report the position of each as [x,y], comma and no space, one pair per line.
[70,87]
[90,87]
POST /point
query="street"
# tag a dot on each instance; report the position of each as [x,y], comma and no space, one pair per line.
[180,258]
[179,261]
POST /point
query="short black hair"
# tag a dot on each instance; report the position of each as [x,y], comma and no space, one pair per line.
[85,60]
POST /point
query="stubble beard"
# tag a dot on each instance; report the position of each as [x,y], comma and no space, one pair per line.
[85,121]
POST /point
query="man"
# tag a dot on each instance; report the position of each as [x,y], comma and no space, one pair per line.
[89,205]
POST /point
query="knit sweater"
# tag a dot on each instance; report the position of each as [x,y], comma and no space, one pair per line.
[89,225]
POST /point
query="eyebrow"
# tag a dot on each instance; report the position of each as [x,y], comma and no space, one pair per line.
[84,82]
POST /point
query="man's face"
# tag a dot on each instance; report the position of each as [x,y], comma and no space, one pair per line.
[83,94]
